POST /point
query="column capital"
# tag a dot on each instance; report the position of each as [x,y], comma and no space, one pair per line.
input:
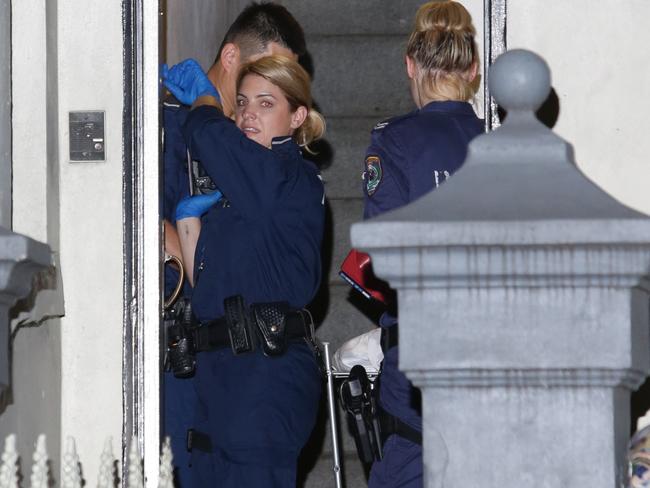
[20,258]
[523,296]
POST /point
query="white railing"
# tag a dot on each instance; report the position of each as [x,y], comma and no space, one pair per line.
[108,476]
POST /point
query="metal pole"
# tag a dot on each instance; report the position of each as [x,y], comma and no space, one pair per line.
[332,408]
[494,44]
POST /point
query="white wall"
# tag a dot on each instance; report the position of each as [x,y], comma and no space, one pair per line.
[90,78]
[67,55]
[597,52]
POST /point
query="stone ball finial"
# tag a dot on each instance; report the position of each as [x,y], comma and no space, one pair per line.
[520,80]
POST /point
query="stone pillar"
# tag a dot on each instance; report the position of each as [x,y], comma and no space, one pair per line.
[20,258]
[523,306]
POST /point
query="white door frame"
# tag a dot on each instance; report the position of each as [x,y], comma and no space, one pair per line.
[494,44]
[142,235]
[142,229]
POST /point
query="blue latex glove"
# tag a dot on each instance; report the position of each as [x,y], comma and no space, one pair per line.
[197,205]
[187,81]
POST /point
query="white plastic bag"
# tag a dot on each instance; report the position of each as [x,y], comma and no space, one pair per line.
[364,350]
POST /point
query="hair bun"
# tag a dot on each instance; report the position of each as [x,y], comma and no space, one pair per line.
[448,16]
[311,130]
[443,47]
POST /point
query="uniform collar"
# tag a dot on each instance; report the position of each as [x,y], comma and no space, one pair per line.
[448,106]
[284,145]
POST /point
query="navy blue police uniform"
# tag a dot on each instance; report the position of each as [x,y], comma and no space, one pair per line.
[179,396]
[409,156]
[262,242]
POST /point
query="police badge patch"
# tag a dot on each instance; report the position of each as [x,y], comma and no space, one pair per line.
[373,174]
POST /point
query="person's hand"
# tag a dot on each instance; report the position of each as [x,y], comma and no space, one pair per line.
[197,205]
[187,81]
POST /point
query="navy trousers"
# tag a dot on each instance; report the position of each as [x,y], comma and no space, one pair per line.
[179,406]
[259,413]
[401,466]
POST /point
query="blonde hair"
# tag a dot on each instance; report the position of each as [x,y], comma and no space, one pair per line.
[295,83]
[442,45]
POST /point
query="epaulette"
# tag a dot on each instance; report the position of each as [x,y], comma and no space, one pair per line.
[392,120]
[381,125]
[171,101]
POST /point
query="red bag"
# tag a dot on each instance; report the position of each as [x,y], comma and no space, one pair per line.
[357,271]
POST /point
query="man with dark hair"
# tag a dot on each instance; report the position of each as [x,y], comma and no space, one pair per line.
[258,25]
[261,29]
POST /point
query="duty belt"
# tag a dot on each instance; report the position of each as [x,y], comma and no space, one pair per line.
[269,326]
[242,328]
[390,424]
[388,337]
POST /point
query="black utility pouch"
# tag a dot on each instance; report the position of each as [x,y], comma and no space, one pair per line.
[271,322]
[200,181]
[238,324]
[181,353]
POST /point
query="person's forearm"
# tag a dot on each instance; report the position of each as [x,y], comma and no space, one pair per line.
[172,244]
[188,229]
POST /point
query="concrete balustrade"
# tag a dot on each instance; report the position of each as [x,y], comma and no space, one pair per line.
[523,305]
[20,258]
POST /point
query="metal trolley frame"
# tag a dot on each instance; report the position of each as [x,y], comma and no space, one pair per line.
[331,403]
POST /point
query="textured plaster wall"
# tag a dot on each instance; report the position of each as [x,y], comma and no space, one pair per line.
[596,52]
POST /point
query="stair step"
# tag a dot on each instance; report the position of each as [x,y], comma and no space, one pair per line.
[353,472]
[354,16]
[348,138]
[348,315]
[345,212]
[356,51]
[316,459]
[321,440]
[360,76]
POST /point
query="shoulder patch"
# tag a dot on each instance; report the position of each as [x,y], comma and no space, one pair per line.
[373,174]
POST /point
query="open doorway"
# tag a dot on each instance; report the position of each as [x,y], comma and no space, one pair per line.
[171,30]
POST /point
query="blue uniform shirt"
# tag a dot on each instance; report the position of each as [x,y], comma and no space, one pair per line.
[412,154]
[176,184]
[409,156]
[264,242]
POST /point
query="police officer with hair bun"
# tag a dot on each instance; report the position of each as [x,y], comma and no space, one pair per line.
[409,156]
